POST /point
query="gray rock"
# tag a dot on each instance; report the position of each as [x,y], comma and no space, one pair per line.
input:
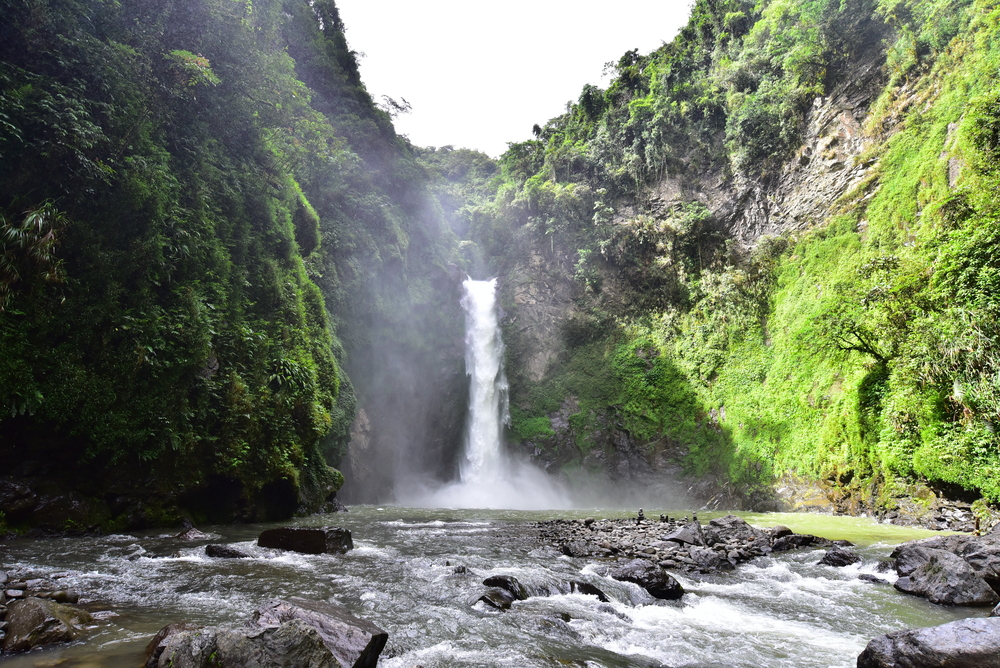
[732,527]
[710,560]
[510,584]
[588,589]
[649,576]
[501,599]
[224,552]
[967,643]
[35,622]
[324,540]
[839,557]
[293,644]
[192,534]
[946,579]
[354,642]
[155,647]
[792,541]
[690,534]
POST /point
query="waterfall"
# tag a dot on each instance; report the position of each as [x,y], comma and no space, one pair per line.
[489,477]
[484,460]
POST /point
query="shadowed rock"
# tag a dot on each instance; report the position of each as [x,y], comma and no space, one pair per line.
[324,540]
[224,552]
[839,557]
[293,644]
[649,576]
[35,622]
[968,643]
[690,534]
[354,642]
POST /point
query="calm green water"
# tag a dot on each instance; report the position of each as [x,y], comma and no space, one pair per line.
[782,611]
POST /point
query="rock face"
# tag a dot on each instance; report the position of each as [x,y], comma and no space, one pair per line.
[35,622]
[354,642]
[324,540]
[947,579]
[650,577]
[281,634]
[968,643]
[951,570]
[292,645]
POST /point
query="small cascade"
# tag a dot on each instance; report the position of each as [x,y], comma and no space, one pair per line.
[484,460]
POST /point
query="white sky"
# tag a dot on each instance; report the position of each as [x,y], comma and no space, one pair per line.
[480,74]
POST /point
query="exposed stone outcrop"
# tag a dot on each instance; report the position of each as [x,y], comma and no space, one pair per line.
[967,643]
[323,540]
[34,622]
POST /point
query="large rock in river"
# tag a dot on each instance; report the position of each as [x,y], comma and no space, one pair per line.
[323,540]
[947,579]
[649,576]
[293,644]
[967,643]
[296,633]
[35,622]
[355,642]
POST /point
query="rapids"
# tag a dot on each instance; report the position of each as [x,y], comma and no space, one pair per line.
[779,611]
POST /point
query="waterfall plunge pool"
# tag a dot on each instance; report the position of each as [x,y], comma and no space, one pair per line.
[779,611]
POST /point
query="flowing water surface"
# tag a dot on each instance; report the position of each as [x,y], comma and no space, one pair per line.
[779,611]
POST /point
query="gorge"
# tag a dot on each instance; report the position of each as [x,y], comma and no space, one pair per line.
[757,272]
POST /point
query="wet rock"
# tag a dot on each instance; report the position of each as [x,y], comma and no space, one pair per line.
[34,622]
[589,590]
[510,584]
[224,552]
[732,527]
[192,534]
[792,542]
[946,579]
[324,540]
[649,576]
[968,643]
[354,642]
[501,599]
[293,644]
[155,647]
[874,579]
[839,557]
[61,595]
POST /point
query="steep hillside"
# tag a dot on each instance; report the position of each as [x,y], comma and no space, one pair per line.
[196,200]
[766,252]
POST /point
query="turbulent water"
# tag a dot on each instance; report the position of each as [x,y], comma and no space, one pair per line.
[780,611]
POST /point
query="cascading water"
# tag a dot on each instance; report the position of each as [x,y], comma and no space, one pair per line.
[484,460]
[489,477]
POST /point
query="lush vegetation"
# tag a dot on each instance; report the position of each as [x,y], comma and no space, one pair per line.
[862,351]
[196,198]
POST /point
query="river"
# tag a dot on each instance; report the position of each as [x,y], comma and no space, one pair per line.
[778,611]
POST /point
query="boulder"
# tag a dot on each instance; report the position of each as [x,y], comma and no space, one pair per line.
[34,622]
[293,644]
[578,548]
[690,534]
[588,589]
[192,534]
[946,579]
[224,552]
[354,642]
[501,599]
[324,540]
[792,541]
[710,560]
[967,643]
[649,576]
[733,527]
[510,584]
[839,557]
[155,647]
